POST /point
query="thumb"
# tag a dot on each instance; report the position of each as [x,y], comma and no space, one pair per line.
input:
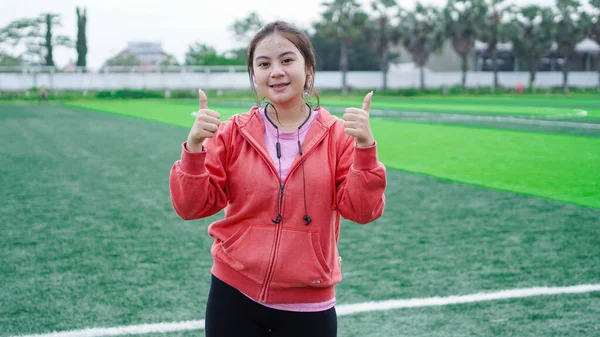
[367,102]
[203,99]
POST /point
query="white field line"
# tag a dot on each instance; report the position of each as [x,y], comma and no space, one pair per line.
[128,330]
[342,310]
[545,120]
[479,297]
[540,120]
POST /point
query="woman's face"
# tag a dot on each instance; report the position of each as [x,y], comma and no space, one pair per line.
[279,70]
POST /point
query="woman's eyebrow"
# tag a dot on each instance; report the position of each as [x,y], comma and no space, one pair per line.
[280,55]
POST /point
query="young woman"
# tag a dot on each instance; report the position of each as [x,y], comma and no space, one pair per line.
[284,173]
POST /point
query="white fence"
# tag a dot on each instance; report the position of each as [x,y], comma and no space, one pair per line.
[239,80]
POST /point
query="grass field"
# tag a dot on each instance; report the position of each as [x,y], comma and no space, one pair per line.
[497,105]
[565,167]
[89,237]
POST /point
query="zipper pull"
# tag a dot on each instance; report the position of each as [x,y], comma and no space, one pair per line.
[278,219]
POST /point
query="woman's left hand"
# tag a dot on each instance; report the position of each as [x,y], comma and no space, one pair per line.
[356,123]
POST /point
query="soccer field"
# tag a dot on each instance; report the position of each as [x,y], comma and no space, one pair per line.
[484,195]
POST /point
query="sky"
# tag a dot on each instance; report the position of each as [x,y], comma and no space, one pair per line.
[177,24]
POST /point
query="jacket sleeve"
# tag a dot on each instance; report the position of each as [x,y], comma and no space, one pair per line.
[198,180]
[361,181]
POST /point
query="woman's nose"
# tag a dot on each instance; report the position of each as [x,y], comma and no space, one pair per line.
[277,71]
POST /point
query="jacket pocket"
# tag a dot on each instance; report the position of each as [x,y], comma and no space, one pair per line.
[248,250]
[300,261]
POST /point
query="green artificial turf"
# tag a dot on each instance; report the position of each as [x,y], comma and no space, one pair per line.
[90,239]
[559,167]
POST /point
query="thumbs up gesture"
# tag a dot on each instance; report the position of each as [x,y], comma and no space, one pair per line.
[356,123]
[206,124]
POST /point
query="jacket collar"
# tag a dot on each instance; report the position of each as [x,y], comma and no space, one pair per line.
[253,128]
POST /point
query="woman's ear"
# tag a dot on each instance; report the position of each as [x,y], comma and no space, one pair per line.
[309,71]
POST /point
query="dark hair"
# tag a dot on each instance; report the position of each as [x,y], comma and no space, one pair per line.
[300,40]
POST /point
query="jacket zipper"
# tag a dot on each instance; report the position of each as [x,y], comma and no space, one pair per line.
[263,294]
[278,228]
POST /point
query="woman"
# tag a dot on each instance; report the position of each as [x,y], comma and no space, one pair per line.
[284,173]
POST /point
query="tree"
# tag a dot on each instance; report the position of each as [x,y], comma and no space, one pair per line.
[7,60]
[81,44]
[9,38]
[124,60]
[238,55]
[200,55]
[594,31]
[35,35]
[244,29]
[203,55]
[14,35]
[423,33]
[327,52]
[535,31]
[497,30]
[464,20]
[169,60]
[50,21]
[343,20]
[388,35]
[572,28]
[48,41]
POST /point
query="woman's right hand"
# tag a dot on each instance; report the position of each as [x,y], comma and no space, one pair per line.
[206,124]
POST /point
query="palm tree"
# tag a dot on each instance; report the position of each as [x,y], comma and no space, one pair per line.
[464,20]
[387,34]
[535,32]
[497,30]
[572,28]
[594,31]
[344,21]
[423,33]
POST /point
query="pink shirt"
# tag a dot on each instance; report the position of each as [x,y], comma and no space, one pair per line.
[288,141]
[289,150]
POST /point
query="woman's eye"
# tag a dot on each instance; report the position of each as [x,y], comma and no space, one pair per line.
[263,64]
[287,61]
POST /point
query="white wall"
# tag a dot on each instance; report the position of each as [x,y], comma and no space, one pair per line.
[239,80]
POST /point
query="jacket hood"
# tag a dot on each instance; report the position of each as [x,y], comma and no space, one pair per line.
[324,118]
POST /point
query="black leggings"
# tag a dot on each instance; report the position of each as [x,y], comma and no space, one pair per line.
[229,313]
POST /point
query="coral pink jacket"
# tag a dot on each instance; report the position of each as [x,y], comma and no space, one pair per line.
[288,262]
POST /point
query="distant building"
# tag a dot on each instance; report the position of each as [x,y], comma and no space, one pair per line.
[583,60]
[71,67]
[446,60]
[149,53]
